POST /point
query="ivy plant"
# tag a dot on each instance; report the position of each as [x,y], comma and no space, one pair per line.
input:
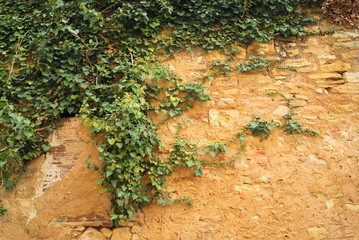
[2,210]
[98,59]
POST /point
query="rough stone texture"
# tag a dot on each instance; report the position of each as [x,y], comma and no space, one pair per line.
[298,63]
[287,186]
[348,88]
[106,232]
[353,207]
[347,45]
[317,233]
[351,77]
[122,233]
[218,56]
[92,234]
[314,160]
[136,229]
[261,48]
[283,187]
[226,101]
[226,82]
[258,78]
[338,66]
[224,118]
[281,110]
[333,76]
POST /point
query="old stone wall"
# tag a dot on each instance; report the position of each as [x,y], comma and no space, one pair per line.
[57,197]
[283,187]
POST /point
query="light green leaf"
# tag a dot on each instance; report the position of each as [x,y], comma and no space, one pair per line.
[111,141]
[2,163]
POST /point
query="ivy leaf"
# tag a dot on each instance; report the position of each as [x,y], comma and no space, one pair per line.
[198,172]
[2,163]
[154,24]
[73,31]
[213,153]
[130,215]
[190,163]
[109,173]
[70,109]
[242,138]
[28,133]
[100,149]
[289,8]
[167,54]
[111,141]
[72,61]
[253,124]
[160,201]
[46,147]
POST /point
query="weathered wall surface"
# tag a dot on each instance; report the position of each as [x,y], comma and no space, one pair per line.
[284,187]
[57,195]
[294,187]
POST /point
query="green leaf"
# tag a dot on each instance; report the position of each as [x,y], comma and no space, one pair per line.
[108,173]
[100,149]
[160,201]
[198,172]
[46,147]
[28,133]
[242,138]
[70,109]
[190,163]
[213,153]
[111,141]
[154,24]
[72,61]
[3,155]
[2,163]
[73,31]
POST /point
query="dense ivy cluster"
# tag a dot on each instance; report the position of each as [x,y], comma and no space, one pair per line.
[98,59]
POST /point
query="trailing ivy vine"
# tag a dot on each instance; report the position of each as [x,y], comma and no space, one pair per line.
[99,59]
[2,209]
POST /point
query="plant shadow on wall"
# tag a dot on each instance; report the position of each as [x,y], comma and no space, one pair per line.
[100,60]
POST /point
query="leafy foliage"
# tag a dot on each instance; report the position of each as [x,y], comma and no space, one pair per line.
[185,153]
[251,64]
[256,63]
[260,128]
[292,126]
[2,210]
[18,138]
[98,59]
[215,148]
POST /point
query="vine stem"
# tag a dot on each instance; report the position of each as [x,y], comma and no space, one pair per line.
[105,10]
[19,42]
[132,61]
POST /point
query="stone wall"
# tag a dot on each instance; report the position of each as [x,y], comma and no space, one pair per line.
[57,197]
[284,187]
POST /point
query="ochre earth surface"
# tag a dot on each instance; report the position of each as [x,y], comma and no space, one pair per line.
[57,193]
[283,187]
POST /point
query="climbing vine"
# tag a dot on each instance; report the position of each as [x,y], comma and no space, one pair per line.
[100,60]
[2,209]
